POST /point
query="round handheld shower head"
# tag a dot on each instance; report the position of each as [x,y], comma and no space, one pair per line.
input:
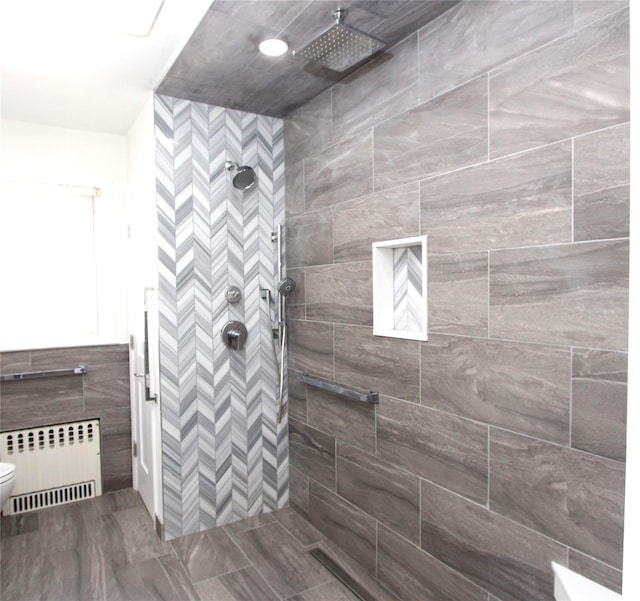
[286,286]
[244,177]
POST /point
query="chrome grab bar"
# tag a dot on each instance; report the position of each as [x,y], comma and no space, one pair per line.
[363,397]
[30,375]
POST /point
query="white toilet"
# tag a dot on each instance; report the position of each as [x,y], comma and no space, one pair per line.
[7,480]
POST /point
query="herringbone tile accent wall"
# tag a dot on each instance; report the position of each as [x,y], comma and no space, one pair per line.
[224,456]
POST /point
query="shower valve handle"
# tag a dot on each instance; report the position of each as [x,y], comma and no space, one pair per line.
[234,335]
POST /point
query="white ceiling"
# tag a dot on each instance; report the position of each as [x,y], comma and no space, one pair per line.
[63,63]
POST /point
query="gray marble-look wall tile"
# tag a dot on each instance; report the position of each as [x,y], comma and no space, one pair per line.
[499,555]
[601,184]
[379,488]
[474,37]
[281,560]
[595,570]
[599,403]
[117,470]
[413,575]
[521,387]
[309,240]
[340,293]
[342,418]
[107,385]
[445,449]
[299,527]
[296,396]
[40,402]
[340,172]
[299,490]
[518,201]
[571,496]
[380,89]
[294,189]
[70,357]
[386,215]
[312,452]
[575,294]
[389,365]
[577,84]
[459,293]
[15,361]
[311,348]
[308,130]
[587,11]
[348,527]
[439,135]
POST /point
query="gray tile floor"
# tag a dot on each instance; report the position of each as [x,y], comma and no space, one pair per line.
[106,549]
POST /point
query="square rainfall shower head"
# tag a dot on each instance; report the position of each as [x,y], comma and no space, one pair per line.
[340,46]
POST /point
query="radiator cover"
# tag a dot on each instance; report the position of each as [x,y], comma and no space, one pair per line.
[55,464]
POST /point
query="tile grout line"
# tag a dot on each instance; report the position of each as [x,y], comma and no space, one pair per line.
[573,188]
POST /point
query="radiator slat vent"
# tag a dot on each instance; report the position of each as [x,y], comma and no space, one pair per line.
[50,498]
[54,464]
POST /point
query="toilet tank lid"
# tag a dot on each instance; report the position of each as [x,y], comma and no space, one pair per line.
[6,470]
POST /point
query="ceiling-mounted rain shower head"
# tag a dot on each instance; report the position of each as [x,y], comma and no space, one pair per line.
[340,47]
[244,177]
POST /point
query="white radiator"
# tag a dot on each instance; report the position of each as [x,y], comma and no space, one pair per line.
[54,465]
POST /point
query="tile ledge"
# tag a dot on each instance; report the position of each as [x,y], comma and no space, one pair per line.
[571,586]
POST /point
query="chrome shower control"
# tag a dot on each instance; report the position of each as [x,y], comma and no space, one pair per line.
[232,294]
[234,335]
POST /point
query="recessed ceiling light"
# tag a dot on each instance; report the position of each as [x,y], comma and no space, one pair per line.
[273,47]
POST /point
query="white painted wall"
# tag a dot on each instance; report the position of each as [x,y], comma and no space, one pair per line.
[39,153]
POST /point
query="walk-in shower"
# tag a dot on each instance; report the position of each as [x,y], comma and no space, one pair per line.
[244,177]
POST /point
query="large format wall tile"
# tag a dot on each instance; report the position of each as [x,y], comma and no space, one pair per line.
[348,527]
[458,290]
[340,172]
[599,403]
[41,402]
[521,387]
[308,130]
[386,215]
[448,450]
[311,347]
[442,134]
[476,36]
[571,496]
[343,418]
[369,362]
[574,294]
[501,556]
[340,293]
[574,85]
[381,489]
[518,201]
[309,240]
[313,452]
[595,570]
[384,87]
[294,186]
[413,575]
[601,187]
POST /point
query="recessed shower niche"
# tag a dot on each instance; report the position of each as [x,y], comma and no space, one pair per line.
[400,288]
